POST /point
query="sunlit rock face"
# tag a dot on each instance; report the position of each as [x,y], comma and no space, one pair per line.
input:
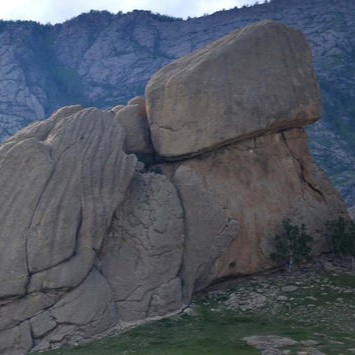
[253,81]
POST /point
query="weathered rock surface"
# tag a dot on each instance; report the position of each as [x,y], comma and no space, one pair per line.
[143,254]
[15,312]
[90,307]
[75,208]
[251,81]
[16,341]
[91,238]
[254,185]
[62,181]
[208,229]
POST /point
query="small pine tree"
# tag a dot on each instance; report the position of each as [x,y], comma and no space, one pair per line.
[293,246]
[342,237]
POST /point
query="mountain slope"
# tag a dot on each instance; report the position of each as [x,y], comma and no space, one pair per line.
[102,59]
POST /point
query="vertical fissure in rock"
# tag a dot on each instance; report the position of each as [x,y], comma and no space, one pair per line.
[302,169]
[185,236]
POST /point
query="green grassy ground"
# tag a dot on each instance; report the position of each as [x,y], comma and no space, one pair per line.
[321,309]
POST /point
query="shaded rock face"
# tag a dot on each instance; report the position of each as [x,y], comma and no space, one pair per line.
[62,180]
[92,239]
[208,229]
[65,184]
[254,80]
[145,247]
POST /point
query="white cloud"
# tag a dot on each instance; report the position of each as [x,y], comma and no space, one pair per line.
[60,10]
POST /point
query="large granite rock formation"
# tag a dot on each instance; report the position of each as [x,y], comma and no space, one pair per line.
[251,81]
[92,239]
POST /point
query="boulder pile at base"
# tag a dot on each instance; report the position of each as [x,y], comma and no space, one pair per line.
[109,218]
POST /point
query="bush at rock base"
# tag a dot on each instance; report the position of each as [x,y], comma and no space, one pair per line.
[293,246]
[342,237]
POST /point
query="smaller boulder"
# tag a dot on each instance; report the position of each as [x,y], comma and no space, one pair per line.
[134,120]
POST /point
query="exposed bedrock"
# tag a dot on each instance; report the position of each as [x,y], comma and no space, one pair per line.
[91,238]
[236,197]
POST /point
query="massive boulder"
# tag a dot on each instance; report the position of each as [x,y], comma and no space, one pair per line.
[249,82]
[92,239]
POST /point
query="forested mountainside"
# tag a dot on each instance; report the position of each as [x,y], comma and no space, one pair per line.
[101,59]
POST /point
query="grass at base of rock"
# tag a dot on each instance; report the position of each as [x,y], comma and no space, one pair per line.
[306,306]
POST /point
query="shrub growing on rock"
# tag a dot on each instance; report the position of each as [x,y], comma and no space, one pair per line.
[293,246]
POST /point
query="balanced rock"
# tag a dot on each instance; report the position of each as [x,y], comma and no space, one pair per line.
[255,80]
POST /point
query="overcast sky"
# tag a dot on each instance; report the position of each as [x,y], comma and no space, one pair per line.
[55,11]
